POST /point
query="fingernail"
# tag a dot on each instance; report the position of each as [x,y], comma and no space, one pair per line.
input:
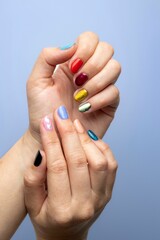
[81,79]
[79,126]
[84,107]
[62,112]
[67,46]
[76,65]
[38,159]
[81,95]
[92,135]
[47,123]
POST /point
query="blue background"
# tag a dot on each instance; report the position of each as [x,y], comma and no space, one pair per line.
[133,28]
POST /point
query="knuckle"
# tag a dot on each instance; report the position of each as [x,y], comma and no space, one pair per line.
[43,55]
[78,161]
[110,49]
[115,92]
[57,167]
[105,148]
[102,102]
[44,52]
[92,35]
[63,219]
[86,140]
[85,48]
[116,65]
[30,181]
[96,65]
[52,143]
[113,166]
[100,165]
[69,129]
[108,197]
[91,38]
[86,214]
[99,86]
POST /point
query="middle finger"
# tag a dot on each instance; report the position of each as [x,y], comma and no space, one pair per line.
[74,154]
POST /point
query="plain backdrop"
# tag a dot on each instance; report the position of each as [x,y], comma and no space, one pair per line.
[133,28]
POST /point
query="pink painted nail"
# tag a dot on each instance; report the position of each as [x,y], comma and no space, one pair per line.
[47,123]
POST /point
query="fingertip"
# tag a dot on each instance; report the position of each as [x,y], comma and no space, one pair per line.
[47,123]
[78,125]
[57,55]
[67,47]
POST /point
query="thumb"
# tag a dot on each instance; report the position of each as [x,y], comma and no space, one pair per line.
[34,185]
[48,59]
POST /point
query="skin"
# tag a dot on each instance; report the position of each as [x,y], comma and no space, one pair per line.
[80,175]
[47,91]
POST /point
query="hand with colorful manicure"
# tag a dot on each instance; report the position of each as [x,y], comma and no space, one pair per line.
[84,82]
[80,175]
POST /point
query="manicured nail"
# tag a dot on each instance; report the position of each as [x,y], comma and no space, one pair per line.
[79,126]
[81,79]
[38,159]
[67,46]
[81,95]
[62,112]
[76,65]
[92,135]
[47,123]
[84,107]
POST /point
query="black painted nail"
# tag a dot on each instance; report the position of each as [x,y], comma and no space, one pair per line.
[38,159]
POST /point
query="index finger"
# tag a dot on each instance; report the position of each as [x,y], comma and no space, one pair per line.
[57,173]
[86,45]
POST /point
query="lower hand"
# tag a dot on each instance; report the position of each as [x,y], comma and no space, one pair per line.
[80,178]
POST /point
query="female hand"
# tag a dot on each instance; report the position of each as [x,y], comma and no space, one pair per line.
[86,66]
[80,178]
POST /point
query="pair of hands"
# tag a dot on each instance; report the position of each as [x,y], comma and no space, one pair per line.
[76,191]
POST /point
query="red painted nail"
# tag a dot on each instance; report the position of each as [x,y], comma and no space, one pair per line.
[81,79]
[76,65]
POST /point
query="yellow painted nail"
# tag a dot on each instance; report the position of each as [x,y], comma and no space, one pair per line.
[81,95]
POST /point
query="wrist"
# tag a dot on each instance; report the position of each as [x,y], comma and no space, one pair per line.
[84,237]
[12,170]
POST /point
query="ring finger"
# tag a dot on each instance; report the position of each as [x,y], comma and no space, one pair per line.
[96,161]
[106,98]
[102,80]
[74,154]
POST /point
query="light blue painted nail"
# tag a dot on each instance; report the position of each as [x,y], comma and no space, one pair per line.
[62,112]
[67,46]
[92,135]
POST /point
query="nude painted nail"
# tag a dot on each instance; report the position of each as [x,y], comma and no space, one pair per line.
[81,95]
[47,123]
[79,126]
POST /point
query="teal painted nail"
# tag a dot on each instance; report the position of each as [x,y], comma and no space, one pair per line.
[92,135]
[67,46]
